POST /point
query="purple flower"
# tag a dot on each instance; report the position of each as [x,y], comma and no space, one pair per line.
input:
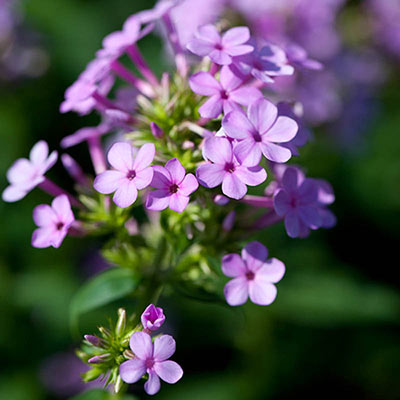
[132,172]
[297,201]
[173,187]
[260,132]
[226,169]
[298,57]
[26,174]
[53,222]
[153,359]
[152,318]
[227,94]
[253,275]
[85,134]
[208,42]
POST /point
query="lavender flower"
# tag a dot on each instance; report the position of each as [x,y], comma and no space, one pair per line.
[225,168]
[53,222]
[130,174]
[227,94]
[173,187]
[253,275]
[152,318]
[151,359]
[24,174]
[208,42]
[260,132]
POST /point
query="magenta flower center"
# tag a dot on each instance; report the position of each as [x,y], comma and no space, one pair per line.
[59,226]
[219,46]
[149,363]
[250,275]
[131,174]
[173,188]
[257,137]
[229,167]
[224,95]
[293,202]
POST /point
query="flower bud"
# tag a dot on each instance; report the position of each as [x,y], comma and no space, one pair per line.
[156,130]
[152,318]
[100,358]
[121,323]
[93,340]
[229,221]
[118,384]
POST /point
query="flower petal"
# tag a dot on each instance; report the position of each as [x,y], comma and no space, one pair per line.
[229,81]
[125,195]
[237,126]
[248,152]
[283,130]
[210,175]
[235,36]
[212,108]
[168,371]
[42,237]
[109,181]
[141,345]
[188,185]
[271,271]
[245,95]
[144,157]
[13,193]
[204,84]
[20,171]
[152,386]
[158,200]
[262,113]
[209,33]
[275,153]
[120,156]
[178,202]
[254,255]
[290,179]
[164,347]
[39,153]
[233,187]
[220,57]
[262,293]
[161,177]
[200,47]
[143,178]
[176,170]
[233,265]
[252,176]
[236,291]
[310,216]
[218,150]
[44,216]
[281,202]
[239,50]
[132,370]
[292,224]
[62,207]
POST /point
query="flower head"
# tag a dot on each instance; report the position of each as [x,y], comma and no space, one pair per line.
[208,42]
[131,172]
[26,174]
[254,275]
[53,222]
[260,132]
[225,168]
[228,94]
[152,318]
[173,187]
[151,358]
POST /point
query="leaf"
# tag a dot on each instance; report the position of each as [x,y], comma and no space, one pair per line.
[104,288]
[99,394]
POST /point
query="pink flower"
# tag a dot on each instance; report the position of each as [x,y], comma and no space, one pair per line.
[151,359]
[228,94]
[173,187]
[152,318]
[261,132]
[226,169]
[131,172]
[24,174]
[53,222]
[208,42]
[254,275]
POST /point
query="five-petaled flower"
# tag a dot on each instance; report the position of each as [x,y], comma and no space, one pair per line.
[24,174]
[260,133]
[226,169]
[151,358]
[173,187]
[132,172]
[152,318]
[228,94]
[53,222]
[254,275]
[208,42]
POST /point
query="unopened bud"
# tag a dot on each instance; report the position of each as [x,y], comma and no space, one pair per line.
[121,323]
[100,359]
[105,332]
[118,384]
[92,374]
[128,354]
[156,130]
[93,340]
[229,221]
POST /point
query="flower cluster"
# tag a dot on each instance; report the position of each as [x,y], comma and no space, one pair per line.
[183,151]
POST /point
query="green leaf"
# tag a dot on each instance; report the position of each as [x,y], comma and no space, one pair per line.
[99,394]
[109,286]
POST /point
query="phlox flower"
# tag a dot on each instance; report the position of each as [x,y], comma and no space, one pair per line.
[24,174]
[53,222]
[131,172]
[152,318]
[225,168]
[254,275]
[208,42]
[151,358]
[227,94]
[173,187]
[260,132]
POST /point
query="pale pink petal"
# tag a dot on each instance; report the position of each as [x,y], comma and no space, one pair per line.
[178,202]
[218,150]
[237,126]
[141,345]
[42,237]
[254,255]
[120,156]
[262,114]
[43,215]
[39,153]
[262,293]
[144,157]
[126,194]
[168,371]
[21,171]
[228,79]
[236,36]
[239,50]
[158,200]
[188,185]
[51,160]
[252,176]
[212,108]
[152,386]
[204,84]
[281,202]
[61,206]
[245,95]
[292,224]
[57,237]
[233,265]
[176,170]
[236,291]
[271,271]
[200,47]
[109,181]
[275,153]
[161,177]
[143,178]
[233,187]
[164,347]
[283,130]
[132,370]
[248,152]
[210,175]
[209,33]
[220,57]
[229,106]
[13,193]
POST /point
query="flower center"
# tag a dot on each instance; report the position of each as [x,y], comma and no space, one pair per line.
[229,167]
[59,226]
[257,137]
[293,202]
[149,363]
[224,95]
[250,275]
[173,188]
[219,46]
[131,174]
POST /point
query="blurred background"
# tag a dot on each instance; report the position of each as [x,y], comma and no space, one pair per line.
[334,328]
